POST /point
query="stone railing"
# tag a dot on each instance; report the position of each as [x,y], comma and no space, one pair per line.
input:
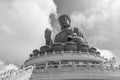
[60,53]
[78,69]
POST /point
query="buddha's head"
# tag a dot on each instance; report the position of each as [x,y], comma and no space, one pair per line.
[64,21]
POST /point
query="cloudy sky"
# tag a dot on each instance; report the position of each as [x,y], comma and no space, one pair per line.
[22,25]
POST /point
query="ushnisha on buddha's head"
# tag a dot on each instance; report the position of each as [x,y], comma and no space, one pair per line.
[64,21]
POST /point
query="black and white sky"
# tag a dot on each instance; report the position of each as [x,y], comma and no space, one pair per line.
[22,25]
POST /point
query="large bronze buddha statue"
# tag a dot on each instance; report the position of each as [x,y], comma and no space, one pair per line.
[66,30]
[68,35]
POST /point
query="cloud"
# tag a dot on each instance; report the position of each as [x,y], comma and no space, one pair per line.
[99,39]
[10,66]
[91,26]
[5,30]
[5,67]
[106,53]
[101,26]
[26,21]
[89,22]
[109,55]
[1,63]
[101,22]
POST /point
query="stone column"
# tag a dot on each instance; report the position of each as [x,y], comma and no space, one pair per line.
[46,67]
[60,65]
[74,66]
[88,65]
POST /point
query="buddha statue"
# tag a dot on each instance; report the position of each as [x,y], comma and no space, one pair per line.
[70,34]
[66,30]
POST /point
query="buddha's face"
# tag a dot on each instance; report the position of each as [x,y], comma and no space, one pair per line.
[64,22]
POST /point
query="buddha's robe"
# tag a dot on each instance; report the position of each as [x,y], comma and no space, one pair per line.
[65,33]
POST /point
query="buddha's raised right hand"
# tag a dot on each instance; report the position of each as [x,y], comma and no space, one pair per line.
[48,33]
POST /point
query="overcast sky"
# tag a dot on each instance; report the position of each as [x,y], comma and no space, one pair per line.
[22,25]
